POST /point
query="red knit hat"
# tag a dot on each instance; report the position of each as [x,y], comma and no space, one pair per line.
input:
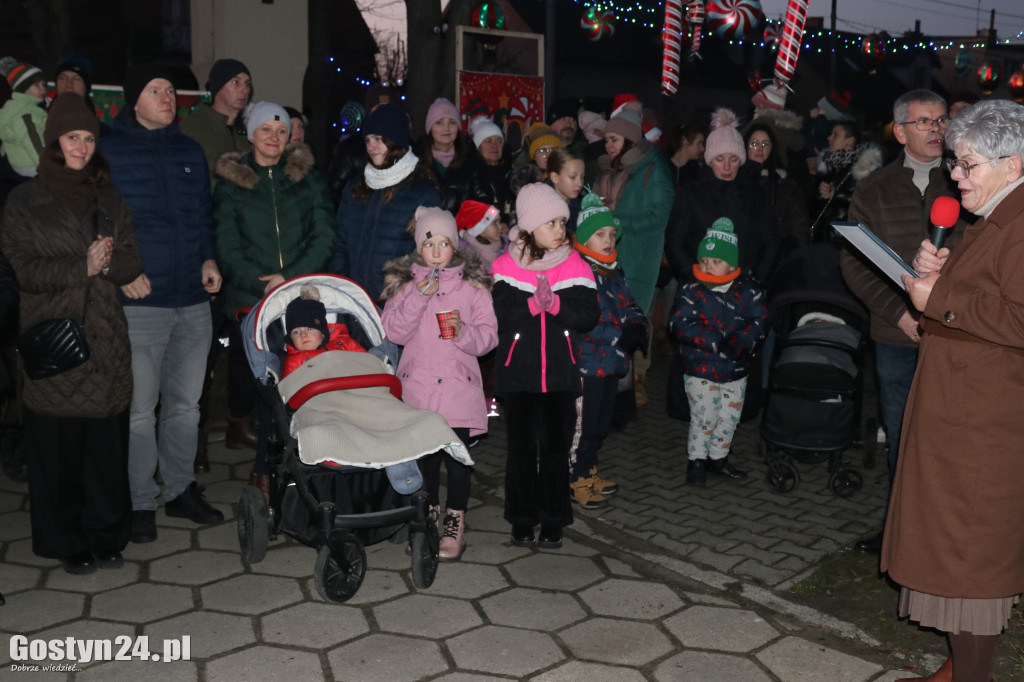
[475,216]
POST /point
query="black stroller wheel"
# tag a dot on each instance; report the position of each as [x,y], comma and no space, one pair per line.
[253,528]
[845,482]
[340,569]
[424,556]
[13,454]
[782,477]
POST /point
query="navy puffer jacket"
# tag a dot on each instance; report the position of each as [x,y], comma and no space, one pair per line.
[164,178]
[370,233]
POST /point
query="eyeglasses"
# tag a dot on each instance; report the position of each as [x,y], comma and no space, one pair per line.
[754,144]
[965,168]
[924,124]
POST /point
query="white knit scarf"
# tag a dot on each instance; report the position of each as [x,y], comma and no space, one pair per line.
[380,178]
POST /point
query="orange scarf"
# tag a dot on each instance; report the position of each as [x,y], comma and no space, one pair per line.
[714,280]
[599,257]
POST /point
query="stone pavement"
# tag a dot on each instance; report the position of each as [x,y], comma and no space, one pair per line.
[670,583]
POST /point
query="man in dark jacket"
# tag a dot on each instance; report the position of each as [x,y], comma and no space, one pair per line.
[894,202]
[163,176]
[218,126]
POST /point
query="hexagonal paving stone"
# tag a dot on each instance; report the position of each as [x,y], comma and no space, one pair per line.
[616,641]
[20,552]
[292,560]
[488,518]
[467,581]
[265,663]
[377,586]
[468,677]
[620,568]
[631,599]
[15,578]
[223,537]
[251,594]
[711,627]
[504,651]
[210,633]
[15,525]
[532,609]
[10,502]
[797,660]
[709,667]
[591,672]
[197,567]
[388,658]
[420,614]
[491,548]
[142,602]
[168,541]
[133,671]
[224,492]
[37,609]
[389,555]
[100,581]
[319,626]
[554,572]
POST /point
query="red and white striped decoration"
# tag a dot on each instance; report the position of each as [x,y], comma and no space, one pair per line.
[673,37]
[695,18]
[789,41]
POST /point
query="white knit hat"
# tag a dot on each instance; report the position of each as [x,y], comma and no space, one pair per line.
[484,130]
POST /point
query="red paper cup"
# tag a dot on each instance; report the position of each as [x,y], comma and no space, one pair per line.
[444,322]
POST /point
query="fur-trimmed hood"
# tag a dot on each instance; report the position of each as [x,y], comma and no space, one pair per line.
[782,119]
[236,168]
[869,159]
[399,272]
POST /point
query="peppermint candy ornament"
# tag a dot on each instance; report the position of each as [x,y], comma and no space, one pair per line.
[597,24]
[673,46]
[734,19]
[695,19]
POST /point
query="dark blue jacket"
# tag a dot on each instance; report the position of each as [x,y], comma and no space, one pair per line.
[717,332]
[600,353]
[163,177]
[371,233]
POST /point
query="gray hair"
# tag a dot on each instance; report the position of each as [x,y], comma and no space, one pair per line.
[992,128]
[901,109]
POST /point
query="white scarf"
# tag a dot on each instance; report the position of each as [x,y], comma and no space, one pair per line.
[380,178]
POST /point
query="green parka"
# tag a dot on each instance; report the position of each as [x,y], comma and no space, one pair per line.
[269,220]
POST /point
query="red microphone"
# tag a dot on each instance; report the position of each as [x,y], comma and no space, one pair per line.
[945,211]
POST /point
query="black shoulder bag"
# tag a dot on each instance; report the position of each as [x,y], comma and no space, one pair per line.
[56,345]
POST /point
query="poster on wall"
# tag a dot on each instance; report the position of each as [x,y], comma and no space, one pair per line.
[508,100]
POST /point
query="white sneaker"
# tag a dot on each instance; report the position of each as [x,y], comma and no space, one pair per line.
[880,438]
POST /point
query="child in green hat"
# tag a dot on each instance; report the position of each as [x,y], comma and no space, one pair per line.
[717,323]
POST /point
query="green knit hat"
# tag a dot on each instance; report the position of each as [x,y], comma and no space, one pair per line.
[593,216]
[720,242]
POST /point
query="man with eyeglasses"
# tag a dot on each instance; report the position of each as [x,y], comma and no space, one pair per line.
[894,202]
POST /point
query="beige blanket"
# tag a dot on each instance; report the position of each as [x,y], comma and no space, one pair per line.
[365,427]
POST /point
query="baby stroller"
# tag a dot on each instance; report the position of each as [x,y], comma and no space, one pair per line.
[344,448]
[813,405]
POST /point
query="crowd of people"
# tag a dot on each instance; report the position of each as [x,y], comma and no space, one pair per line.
[546,258]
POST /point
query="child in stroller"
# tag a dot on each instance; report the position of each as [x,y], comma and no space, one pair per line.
[344,449]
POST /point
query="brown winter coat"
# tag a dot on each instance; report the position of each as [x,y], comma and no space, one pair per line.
[47,246]
[954,527]
[891,206]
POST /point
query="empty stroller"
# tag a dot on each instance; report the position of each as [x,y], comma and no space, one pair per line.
[813,406]
[345,447]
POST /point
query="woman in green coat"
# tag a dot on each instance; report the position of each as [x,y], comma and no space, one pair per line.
[273,220]
[637,186]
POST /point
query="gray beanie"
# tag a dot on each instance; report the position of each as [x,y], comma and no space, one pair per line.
[262,112]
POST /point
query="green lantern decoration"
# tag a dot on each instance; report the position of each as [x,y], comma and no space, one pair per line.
[963,64]
[488,14]
[990,75]
[1016,85]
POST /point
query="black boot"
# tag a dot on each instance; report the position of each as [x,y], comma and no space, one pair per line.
[697,472]
[723,468]
[872,545]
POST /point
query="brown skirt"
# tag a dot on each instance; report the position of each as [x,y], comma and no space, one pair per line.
[954,614]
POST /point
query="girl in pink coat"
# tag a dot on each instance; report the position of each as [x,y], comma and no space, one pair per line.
[438,306]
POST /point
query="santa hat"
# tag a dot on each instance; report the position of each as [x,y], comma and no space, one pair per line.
[836,106]
[771,96]
[622,100]
[475,216]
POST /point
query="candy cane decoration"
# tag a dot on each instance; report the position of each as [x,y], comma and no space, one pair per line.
[789,42]
[673,46]
[695,17]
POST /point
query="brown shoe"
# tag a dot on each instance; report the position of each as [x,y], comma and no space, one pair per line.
[262,483]
[240,434]
[585,496]
[202,463]
[602,486]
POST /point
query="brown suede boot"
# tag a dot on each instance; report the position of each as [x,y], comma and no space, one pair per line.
[240,434]
[584,494]
[603,486]
[262,483]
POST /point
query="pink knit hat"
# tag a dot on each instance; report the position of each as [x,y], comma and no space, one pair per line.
[434,222]
[724,138]
[441,108]
[536,204]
